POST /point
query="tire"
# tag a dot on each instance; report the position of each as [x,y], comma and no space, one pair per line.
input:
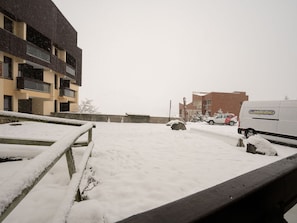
[249,132]
[211,122]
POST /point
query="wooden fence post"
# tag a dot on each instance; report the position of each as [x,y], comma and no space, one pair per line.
[90,135]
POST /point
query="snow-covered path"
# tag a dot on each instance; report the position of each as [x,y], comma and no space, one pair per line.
[137,167]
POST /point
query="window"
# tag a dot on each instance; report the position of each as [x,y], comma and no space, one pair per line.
[64,83]
[7,67]
[56,52]
[8,24]
[38,39]
[70,60]
[64,107]
[7,103]
[28,71]
[56,106]
[56,81]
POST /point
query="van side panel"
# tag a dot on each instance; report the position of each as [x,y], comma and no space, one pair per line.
[260,116]
[274,120]
[288,118]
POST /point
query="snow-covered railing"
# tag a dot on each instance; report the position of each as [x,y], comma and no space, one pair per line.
[263,195]
[41,118]
[15,189]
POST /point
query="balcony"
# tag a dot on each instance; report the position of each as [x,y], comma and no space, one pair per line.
[67,92]
[38,53]
[33,84]
[70,70]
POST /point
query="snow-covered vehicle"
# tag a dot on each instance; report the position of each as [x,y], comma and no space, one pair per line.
[225,119]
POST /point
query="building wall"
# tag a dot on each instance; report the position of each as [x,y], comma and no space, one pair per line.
[46,19]
[113,118]
[226,102]
[211,103]
[1,94]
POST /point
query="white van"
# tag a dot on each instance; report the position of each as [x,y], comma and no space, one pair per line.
[274,120]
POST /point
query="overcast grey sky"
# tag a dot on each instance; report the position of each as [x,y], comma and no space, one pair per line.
[140,54]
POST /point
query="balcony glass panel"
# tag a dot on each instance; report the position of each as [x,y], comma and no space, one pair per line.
[70,70]
[67,92]
[34,85]
[38,53]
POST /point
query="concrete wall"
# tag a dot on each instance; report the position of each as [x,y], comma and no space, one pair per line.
[112,118]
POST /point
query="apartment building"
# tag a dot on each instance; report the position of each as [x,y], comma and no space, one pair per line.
[40,62]
[204,103]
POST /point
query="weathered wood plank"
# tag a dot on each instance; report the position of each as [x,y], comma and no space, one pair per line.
[19,186]
[262,195]
[19,141]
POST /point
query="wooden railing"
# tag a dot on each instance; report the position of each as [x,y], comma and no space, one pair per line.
[16,188]
[260,196]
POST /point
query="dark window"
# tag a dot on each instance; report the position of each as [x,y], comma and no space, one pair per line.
[7,103]
[64,83]
[25,105]
[64,107]
[56,81]
[70,60]
[7,67]
[56,106]
[38,39]
[28,71]
[8,24]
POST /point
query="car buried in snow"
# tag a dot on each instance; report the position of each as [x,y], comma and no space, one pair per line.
[223,119]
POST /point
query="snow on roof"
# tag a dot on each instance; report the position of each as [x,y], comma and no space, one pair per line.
[200,93]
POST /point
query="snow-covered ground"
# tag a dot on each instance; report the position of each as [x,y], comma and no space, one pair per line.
[134,168]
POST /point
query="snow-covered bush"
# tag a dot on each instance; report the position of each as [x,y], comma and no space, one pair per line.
[262,146]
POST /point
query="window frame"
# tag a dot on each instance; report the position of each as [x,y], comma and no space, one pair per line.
[8,24]
[7,67]
[8,103]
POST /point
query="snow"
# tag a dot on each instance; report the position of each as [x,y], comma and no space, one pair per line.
[174,121]
[40,118]
[263,146]
[135,167]
[26,177]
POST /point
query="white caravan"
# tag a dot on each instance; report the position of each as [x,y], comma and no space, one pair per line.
[273,120]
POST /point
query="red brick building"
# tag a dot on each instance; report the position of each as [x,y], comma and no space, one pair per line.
[210,103]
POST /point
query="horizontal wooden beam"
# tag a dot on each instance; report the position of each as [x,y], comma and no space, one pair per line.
[41,118]
[25,142]
[18,141]
[263,195]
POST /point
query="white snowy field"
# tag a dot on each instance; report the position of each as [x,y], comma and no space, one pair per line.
[134,168]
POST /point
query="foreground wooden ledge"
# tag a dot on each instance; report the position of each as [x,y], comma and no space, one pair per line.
[263,195]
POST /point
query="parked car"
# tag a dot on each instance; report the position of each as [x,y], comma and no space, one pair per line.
[224,119]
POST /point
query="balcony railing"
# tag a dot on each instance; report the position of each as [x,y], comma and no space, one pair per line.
[67,92]
[32,84]
[38,53]
[70,70]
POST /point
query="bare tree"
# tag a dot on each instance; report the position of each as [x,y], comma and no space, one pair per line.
[86,106]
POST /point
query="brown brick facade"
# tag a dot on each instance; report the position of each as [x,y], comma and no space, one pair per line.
[211,103]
